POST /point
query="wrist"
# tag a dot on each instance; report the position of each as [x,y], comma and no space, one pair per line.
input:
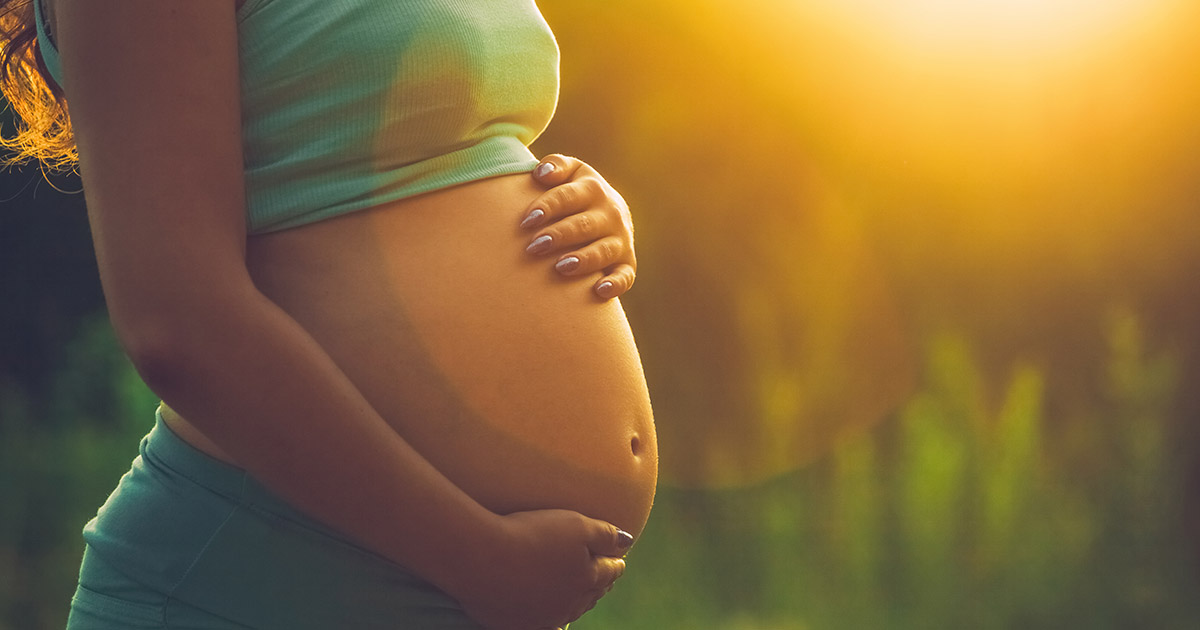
[456,555]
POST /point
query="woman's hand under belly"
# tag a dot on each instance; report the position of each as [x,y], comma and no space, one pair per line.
[518,384]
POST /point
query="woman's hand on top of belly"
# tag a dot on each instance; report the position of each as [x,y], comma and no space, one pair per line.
[545,569]
[583,220]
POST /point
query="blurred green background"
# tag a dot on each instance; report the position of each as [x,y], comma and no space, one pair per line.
[918,302]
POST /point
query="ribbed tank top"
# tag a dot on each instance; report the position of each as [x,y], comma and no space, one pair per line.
[349,104]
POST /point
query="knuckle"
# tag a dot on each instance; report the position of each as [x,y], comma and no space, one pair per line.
[607,249]
[595,575]
[584,224]
[555,234]
[554,198]
[569,195]
[560,234]
[593,187]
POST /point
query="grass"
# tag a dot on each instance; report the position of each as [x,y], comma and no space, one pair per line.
[972,507]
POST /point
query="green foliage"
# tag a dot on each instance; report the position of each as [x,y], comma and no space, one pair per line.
[58,461]
[969,510]
[796,225]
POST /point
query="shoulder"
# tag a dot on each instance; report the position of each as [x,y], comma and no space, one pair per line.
[157,119]
[49,8]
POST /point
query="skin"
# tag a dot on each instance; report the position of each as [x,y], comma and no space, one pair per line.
[208,315]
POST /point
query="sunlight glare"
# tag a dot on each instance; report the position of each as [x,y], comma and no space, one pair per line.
[1020,26]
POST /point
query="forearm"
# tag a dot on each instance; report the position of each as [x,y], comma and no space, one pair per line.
[255,383]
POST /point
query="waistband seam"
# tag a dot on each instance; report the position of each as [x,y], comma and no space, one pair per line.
[168,450]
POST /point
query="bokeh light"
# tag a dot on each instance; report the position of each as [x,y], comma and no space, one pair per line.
[916,299]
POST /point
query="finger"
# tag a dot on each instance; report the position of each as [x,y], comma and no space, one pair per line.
[602,254]
[607,541]
[597,594]
[590,605]
[608,570]
[556,168]
[566,199]
[616,283]
[591,233]
[581,229]
[585,606]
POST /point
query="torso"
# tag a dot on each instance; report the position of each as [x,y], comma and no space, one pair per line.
[520,386]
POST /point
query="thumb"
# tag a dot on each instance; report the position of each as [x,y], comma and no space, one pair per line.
[609,540]
[555,169]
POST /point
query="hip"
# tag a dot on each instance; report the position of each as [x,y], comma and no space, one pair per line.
[186,537]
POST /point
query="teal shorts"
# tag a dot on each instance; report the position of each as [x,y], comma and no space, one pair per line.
[187,541]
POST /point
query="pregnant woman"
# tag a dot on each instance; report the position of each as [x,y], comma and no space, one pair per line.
[322,246]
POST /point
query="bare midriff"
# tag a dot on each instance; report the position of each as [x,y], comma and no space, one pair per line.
[519,385]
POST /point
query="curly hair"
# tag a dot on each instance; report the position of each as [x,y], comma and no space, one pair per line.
[43,125]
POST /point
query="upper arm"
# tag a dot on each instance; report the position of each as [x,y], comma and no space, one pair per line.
[153,91]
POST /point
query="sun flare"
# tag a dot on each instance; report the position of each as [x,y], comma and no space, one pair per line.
[1029,26]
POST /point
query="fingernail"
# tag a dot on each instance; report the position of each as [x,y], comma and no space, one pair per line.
[605,289]
[533,218]
[624,539]
[540,244]
[567,265]
[543,169]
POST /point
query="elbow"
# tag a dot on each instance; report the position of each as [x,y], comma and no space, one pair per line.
[176,344]
[169,335]
[171,330]
[157,353]
[166,340]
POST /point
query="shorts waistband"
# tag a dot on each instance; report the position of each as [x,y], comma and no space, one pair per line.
[163,447]
[185,527]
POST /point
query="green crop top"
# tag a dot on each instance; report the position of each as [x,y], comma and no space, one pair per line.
[348,104]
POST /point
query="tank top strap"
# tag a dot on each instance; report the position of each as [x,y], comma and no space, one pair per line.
[46,46]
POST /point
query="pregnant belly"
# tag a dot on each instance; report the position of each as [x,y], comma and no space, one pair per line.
[519,385]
